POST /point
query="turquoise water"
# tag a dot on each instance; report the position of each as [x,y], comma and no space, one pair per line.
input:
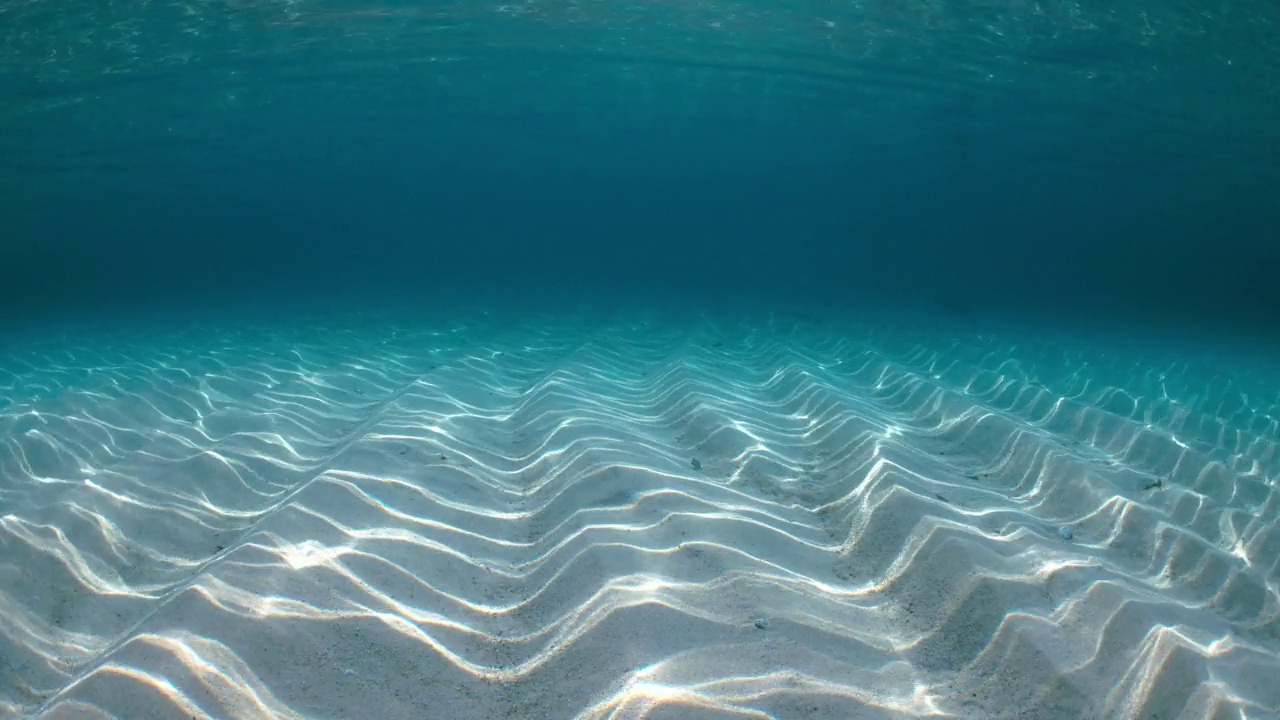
[674,359]
[591,513]
[1074,158]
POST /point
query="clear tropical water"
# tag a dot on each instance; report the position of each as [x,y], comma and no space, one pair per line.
[1090,158]
[671,359]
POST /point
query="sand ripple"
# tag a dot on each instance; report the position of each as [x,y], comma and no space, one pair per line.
[633,516]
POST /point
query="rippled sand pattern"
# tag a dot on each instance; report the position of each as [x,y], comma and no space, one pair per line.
[624,517]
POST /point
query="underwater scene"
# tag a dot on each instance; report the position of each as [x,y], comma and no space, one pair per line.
[620,359]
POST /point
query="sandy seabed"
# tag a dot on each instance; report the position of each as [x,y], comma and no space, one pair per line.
[630,515]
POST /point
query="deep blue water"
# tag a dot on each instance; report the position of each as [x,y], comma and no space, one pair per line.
[1086,160]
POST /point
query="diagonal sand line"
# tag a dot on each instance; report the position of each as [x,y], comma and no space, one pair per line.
[373,418]
[353,437]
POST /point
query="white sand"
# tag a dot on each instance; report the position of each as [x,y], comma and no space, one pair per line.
[480,519]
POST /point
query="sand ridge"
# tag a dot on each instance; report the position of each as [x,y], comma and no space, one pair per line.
[599,515]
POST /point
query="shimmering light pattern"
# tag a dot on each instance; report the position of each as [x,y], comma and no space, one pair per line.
[594,517]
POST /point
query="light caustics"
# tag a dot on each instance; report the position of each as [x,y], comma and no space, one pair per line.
[606,518]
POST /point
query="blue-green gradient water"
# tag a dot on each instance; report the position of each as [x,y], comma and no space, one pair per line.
[620,359]
[1095,159]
